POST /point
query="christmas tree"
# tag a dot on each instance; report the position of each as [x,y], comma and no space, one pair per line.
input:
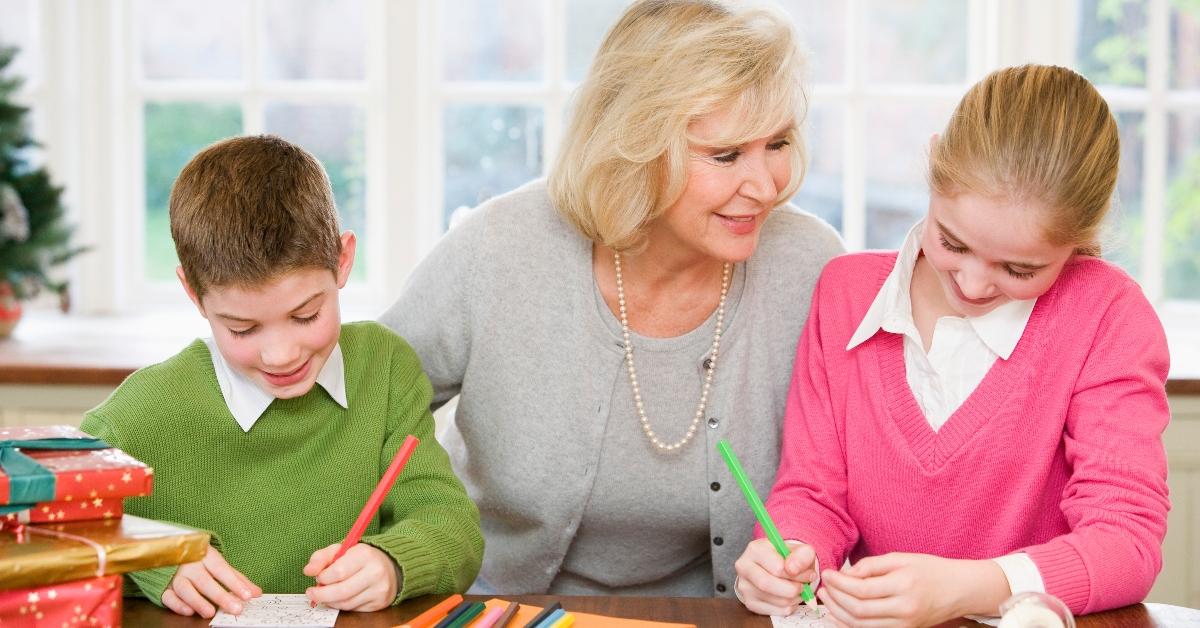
[33,235]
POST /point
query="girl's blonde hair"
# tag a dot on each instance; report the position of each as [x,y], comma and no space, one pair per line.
[1034,134]
[624,155]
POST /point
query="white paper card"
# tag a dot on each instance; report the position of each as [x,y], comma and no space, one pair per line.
[279,610]
[806,617]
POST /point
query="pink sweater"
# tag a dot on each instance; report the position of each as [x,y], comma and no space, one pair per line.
[1058,453]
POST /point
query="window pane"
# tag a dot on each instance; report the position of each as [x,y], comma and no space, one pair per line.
[821,192]
[1112,41]
[174,133]
[334,134]
[897,195]
[821,26]
[17,29]
[1185,44]
[314,39]
[184,39]
[1182,242]
[490,149]
[916,41]
[484,40]
[588,22]
[1121,240]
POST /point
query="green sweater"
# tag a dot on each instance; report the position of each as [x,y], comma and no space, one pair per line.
[297,480]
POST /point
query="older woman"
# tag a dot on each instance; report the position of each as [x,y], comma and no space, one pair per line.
[606,327]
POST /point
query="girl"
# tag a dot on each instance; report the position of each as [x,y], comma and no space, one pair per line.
[981,412]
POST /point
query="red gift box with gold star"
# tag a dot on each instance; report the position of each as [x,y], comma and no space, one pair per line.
[91,602]
[88,483]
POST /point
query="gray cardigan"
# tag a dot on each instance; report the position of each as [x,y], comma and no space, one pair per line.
[503,313]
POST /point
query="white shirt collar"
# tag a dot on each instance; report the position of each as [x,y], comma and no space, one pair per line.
[247,402]
[891,311]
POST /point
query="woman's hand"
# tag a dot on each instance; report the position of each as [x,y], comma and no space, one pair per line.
[911,590]
[201,587]
[769,585]
[363,579]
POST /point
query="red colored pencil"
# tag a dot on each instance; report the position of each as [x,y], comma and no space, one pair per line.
[376,499]
[381,489]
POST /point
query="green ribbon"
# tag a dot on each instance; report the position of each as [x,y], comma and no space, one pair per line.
[28,481]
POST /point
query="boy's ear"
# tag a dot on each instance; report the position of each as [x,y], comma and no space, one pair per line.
[346,258]
[188,289]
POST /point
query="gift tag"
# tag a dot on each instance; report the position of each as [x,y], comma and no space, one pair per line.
[806,617]
[275,610]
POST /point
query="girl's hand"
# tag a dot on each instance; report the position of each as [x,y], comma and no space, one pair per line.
[911,590]
[363,579]
[201,587]
[769,585]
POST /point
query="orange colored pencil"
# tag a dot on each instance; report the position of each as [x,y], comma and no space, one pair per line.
[433,615]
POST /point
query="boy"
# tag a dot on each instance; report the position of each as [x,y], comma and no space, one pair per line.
[244,444]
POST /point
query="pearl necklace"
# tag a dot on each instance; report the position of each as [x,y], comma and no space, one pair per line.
[709,365]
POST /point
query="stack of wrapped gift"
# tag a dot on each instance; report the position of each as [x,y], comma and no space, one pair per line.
[63,539]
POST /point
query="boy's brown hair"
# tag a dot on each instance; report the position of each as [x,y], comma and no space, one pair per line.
[248,209]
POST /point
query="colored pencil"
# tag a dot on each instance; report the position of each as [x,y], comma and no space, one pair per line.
[467,615]
[454,614]
[489,618]
[760,511]
[431,616]
[372,506]
[546,612]
[564,622]
[552,618]
[509,613]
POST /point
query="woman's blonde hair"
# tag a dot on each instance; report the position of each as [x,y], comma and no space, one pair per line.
[1034,134]
[624,155]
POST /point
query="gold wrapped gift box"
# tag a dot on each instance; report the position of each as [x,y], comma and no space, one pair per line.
[53,553]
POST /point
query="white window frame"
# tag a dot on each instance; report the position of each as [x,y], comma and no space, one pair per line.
[252,92]
[90,52]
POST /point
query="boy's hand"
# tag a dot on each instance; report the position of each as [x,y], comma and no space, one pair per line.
[363,579]
[912,590]
[769,585]
[197,587]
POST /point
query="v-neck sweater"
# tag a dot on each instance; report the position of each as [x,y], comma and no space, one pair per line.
[296,481]
[1058,453]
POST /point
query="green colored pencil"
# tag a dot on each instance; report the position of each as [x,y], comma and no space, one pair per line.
[760,511]
[467,615]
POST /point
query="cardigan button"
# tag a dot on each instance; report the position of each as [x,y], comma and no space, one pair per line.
[707,364]
[720,588]
[715,486]
[713,422]
[718,541]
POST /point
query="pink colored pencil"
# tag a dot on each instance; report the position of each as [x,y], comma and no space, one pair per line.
[381,489]
[490,617]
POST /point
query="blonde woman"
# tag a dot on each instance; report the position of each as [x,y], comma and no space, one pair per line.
[981,412]
[606,327]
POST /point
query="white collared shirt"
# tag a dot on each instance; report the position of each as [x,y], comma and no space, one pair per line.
[961,352]
[247,402]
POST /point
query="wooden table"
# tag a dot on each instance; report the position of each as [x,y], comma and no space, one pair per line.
[699,611]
